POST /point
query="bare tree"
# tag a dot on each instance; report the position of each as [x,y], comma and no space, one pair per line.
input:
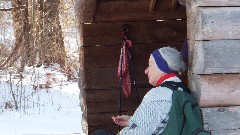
[53,44]
[37,32]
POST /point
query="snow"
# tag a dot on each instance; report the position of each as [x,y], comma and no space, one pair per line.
[48,103]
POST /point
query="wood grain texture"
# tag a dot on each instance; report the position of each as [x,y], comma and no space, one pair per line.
[122,6]
[222,120]
[101,49]
[139,32]
[97,69]
[103,95]
[222,56]
[104,119]
[106,78]
[215,56]
[111,106]
[217,3]
[125,10]
[194,51]
[219,90]
[226,132]
[213,20]
[108,56]
[85,10]
[111,128]
[218,23]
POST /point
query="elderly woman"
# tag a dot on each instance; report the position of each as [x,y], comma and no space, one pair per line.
[153,113]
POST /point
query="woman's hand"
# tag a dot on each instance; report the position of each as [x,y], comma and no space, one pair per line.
[121,120]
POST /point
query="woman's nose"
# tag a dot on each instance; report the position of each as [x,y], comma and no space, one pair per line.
[146,71]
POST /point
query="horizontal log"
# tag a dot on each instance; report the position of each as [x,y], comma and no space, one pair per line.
[123,6]
[113,94]
[111,106]
[112,11]
[217,3]
[99,57]
[108,56]
[222,120]
[226,132]
[222,56]
[218,23]
[103,119]
[99,70]
[139,32]
[216,56]
[142,16]
[106,78]
[219,90]
[111,128]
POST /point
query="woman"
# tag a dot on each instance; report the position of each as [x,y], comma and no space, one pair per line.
[152,114]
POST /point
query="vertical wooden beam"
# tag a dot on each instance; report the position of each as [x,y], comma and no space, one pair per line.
[86,10]
[195,52]
[152,5]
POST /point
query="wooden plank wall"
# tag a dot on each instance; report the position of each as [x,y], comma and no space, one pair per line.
[214,62]
[100,50]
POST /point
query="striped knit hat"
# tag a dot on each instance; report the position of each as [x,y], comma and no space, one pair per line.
[169,60]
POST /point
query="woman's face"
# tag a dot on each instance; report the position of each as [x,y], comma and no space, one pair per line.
[153,72]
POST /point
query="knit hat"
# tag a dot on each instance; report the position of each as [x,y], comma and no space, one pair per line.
[169,60]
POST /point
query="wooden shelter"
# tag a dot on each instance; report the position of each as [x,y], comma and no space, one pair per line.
[212,29]
[214,62]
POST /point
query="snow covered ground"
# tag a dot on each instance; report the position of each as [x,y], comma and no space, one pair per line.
[47,102]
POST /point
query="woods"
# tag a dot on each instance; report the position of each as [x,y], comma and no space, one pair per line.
[38,34]
[38,67]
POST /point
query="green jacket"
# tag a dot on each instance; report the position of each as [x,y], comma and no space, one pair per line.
[185,117]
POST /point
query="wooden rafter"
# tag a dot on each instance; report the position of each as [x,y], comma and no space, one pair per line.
[152,5]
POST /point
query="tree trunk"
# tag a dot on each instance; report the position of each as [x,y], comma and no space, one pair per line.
[52,42]
[22,28]
[37,31]
[27,46]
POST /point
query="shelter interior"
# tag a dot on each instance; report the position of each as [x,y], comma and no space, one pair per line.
[212,30]
[152,24]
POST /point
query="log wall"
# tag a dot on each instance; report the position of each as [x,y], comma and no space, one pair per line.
[214,62]
[152,25]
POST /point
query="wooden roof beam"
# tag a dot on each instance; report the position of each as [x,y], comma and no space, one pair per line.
[152,5]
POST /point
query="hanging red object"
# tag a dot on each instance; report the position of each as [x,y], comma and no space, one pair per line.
[123,67]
